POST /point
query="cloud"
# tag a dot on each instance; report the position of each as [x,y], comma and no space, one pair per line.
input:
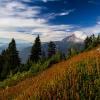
[92,30]
[20,21]
[15,15]
[47,33]
[44,0]
[18,9]
[54,15]
[54,32]
[17,35]
[95,29]
[66,12]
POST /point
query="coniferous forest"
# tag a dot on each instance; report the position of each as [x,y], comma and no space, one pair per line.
[11,63]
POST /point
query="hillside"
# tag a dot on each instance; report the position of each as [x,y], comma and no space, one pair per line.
[77,79]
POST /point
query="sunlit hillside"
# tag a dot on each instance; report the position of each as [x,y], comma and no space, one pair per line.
[75,79]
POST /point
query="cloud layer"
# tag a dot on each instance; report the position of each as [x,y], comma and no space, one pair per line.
[22,21]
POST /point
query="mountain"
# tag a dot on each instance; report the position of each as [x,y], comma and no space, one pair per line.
[68,42]
[72,38]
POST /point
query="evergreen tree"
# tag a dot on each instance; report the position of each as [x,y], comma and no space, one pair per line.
[94,41]
[87,42]
[91,42]
[1,65]
[9,60]
[98,40]
[51,49]
[36,50]
[12,56]
[4,65]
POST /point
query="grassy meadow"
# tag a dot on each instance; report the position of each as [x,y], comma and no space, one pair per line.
[77,78]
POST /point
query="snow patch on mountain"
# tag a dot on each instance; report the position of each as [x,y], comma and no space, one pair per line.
[75,37]
[80,35]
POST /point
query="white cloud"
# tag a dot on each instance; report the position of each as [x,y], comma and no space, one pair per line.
[54,15]
[54,32]
[18,9]
[15,15]
[47,33]
[83,32]
[17,35]
[19,22]
[44,0]
[66,12]
[91,30]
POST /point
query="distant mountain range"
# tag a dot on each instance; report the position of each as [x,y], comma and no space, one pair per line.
[63,46]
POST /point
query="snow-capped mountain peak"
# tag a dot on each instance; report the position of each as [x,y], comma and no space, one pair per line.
[80,35]
[76,37]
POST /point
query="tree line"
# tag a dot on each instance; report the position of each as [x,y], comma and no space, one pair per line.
[91,42]
[10,62]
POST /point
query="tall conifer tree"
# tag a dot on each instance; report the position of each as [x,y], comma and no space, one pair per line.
[13,57]
[36,50]
[51,49]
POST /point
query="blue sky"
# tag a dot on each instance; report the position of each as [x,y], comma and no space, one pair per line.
[51,19]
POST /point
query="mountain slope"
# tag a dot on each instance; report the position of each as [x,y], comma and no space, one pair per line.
[77,78]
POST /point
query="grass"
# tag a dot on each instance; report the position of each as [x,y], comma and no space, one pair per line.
[75,79]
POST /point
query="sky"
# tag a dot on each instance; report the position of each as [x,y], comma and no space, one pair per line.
[53,20]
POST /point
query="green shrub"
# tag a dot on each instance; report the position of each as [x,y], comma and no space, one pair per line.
[34,69]
[14,79]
